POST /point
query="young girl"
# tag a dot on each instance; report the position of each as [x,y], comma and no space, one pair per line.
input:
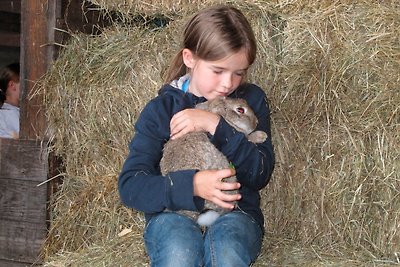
[9,101]
[218,48]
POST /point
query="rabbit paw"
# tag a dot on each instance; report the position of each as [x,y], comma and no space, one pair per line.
[257,137]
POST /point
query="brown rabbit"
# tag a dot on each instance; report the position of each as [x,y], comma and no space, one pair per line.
[195,151]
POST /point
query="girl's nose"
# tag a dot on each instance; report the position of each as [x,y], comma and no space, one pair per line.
[227,81]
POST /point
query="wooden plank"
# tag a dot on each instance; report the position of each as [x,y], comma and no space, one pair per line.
[23,204]
[21,241]
[23,159]
[23,201]
[7,263]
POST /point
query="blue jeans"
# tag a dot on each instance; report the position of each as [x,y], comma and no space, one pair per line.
[174,240]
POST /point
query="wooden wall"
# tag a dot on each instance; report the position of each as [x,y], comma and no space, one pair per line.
[23,211]
[10,24]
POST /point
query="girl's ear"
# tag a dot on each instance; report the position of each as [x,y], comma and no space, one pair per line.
[188,58]
[11,84]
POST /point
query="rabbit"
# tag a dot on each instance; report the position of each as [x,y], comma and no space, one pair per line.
[195,151]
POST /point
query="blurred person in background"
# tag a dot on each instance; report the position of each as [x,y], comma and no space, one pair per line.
[9,101]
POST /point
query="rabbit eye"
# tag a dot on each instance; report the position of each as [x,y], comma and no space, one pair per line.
[240,110]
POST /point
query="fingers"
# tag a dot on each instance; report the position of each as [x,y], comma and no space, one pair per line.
[181,129]
[209,185]
[223,190]
[181,124]
[192,120]
[228,186]
[224,185]
[223,204]
[225,200]
[224,173]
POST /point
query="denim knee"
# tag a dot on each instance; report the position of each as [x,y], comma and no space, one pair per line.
[235,239]
[173,240]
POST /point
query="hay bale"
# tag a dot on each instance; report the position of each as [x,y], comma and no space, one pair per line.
[337,129]
[331,73]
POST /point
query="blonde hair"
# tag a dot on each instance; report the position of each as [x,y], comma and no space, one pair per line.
[213,34]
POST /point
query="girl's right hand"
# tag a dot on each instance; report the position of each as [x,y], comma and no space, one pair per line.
[193,120]
[208,185]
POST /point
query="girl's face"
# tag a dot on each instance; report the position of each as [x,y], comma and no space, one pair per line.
[210,79]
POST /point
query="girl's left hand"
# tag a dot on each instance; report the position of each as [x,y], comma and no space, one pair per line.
[193,120]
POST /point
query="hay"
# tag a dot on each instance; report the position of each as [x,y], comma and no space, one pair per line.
[331,73]
[126,249]
[93,96]
[337,129]
[172,8]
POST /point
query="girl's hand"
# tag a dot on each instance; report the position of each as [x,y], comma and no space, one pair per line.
[208,185]
[193,120]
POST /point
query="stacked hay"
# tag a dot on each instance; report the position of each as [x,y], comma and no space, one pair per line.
[94,93]
[337,129]
[331,71]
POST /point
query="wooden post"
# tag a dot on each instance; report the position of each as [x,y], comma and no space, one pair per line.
[38,21]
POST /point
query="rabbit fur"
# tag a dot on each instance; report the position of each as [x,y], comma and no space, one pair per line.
[195,151]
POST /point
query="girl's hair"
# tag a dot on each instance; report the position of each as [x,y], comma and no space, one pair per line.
[213,34]
[7,74]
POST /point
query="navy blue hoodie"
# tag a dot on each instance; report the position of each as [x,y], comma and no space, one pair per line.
[141,185]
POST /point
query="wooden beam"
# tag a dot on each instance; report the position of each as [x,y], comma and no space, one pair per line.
[36,58]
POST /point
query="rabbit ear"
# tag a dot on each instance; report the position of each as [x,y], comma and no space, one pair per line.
[217,105]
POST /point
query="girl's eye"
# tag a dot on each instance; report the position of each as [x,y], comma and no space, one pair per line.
[240,74]
[217,71]
[240,110]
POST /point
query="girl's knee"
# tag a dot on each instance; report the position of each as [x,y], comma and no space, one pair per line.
[173,240]
[234,239]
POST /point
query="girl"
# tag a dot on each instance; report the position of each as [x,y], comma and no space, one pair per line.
[218,48]
[9,98]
